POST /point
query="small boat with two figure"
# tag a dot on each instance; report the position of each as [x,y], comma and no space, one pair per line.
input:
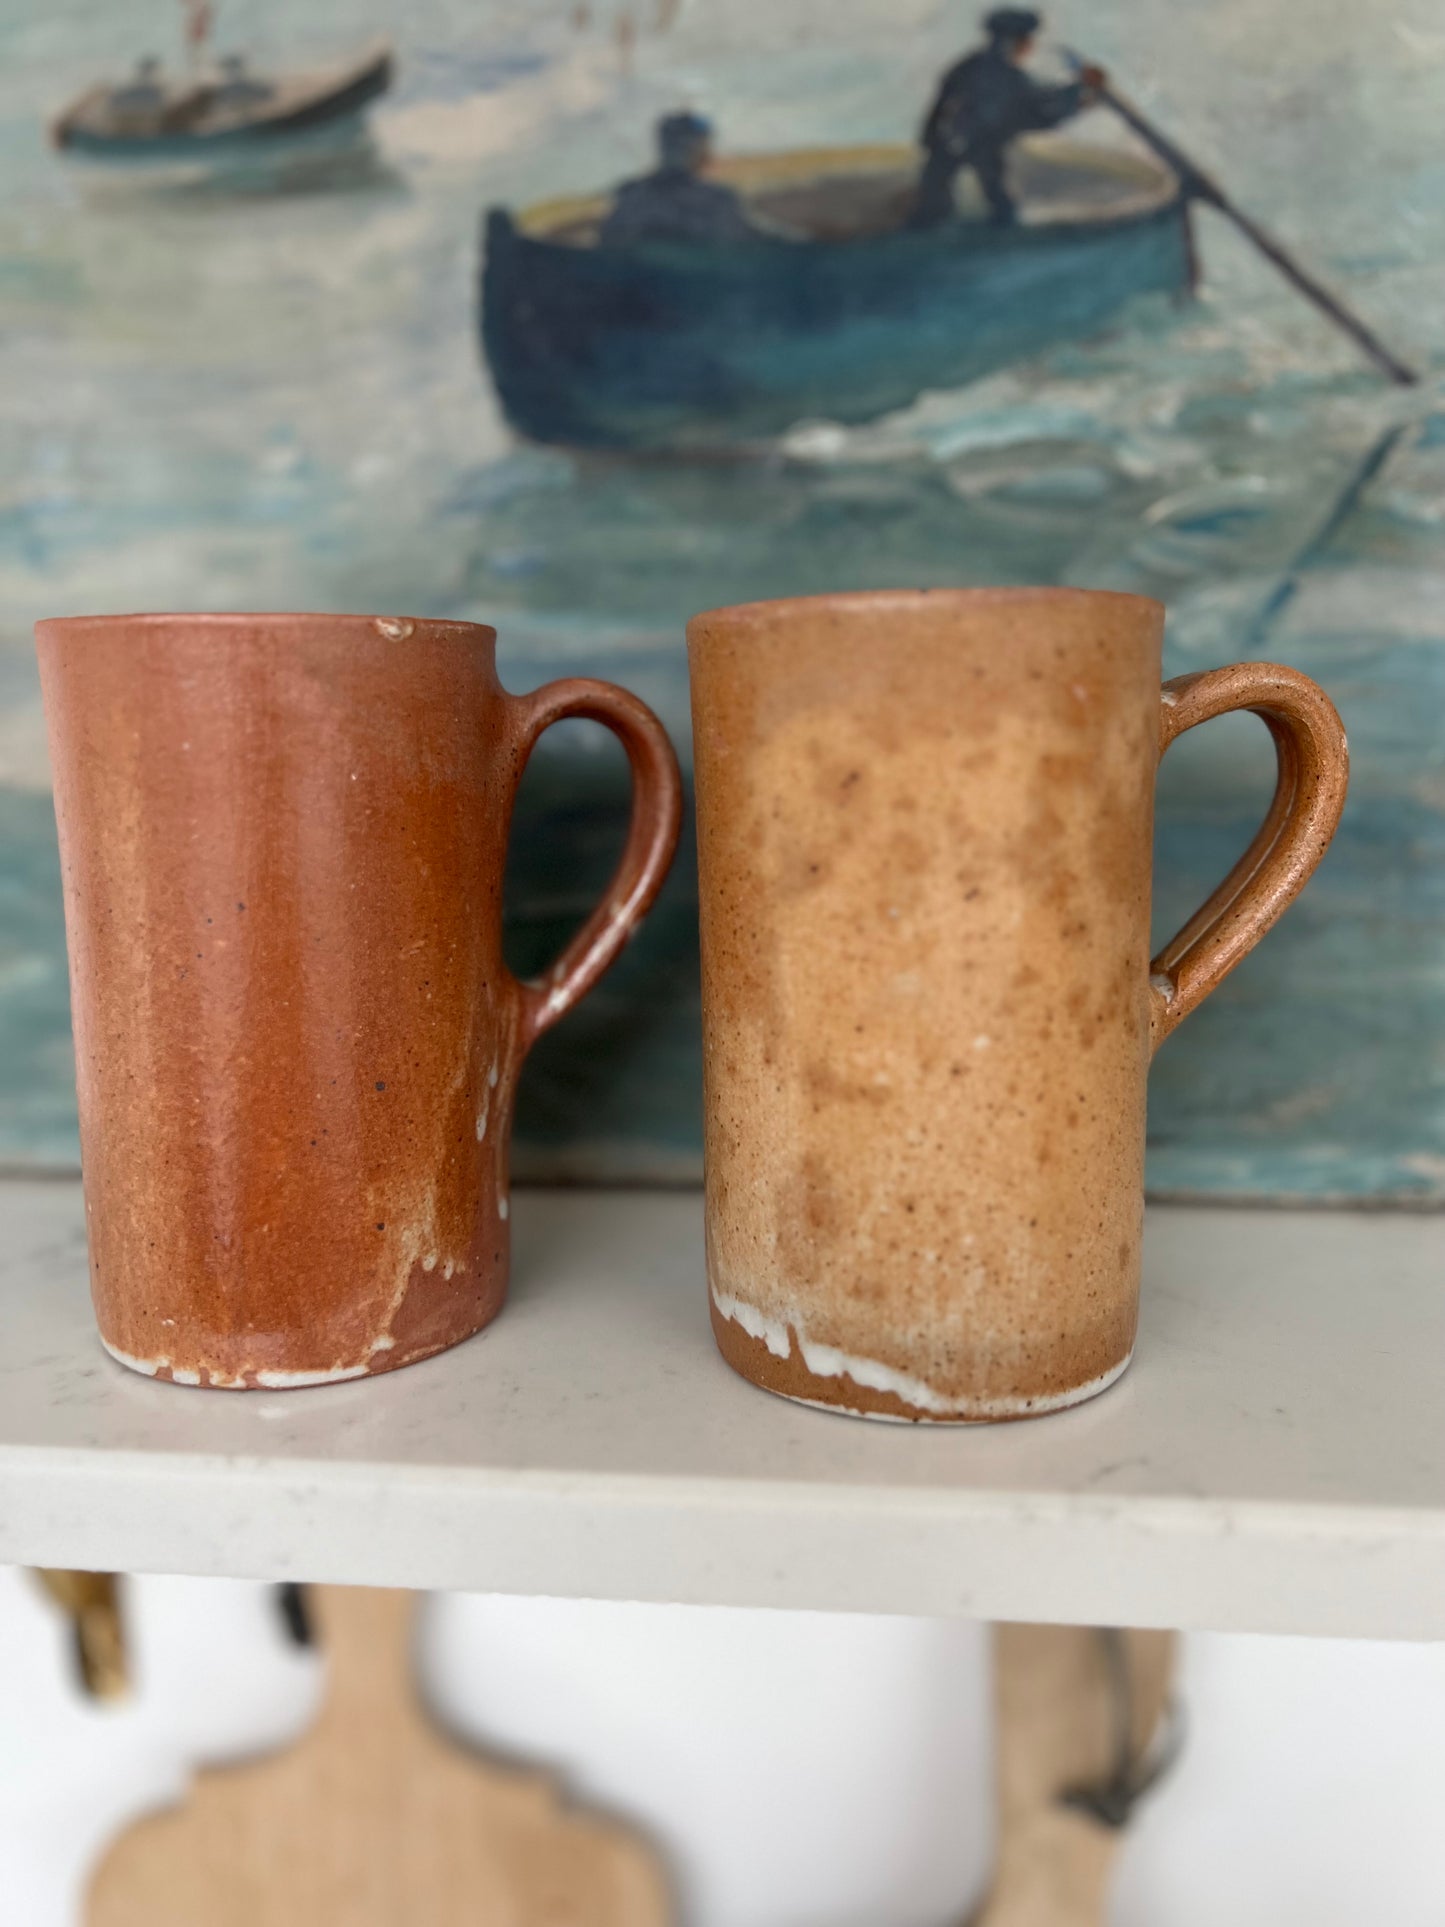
[716,304]
[846,313]
[220,122]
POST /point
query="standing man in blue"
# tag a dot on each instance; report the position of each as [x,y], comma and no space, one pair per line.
[983,104]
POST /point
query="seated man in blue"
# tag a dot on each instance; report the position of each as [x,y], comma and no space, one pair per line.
[239,87]
[144,93]
[983,104]
[675,203]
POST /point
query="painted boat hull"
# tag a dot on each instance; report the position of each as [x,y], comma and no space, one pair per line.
[309,118]
[665,347]
[339,151]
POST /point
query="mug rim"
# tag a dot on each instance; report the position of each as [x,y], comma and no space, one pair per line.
[232,619]
[848,601]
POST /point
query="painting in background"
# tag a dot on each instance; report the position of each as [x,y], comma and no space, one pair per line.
[335,324]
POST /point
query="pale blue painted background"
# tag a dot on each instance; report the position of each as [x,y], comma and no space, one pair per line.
[279,403]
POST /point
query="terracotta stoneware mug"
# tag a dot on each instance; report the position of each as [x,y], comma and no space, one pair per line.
[283,840]
[924,833]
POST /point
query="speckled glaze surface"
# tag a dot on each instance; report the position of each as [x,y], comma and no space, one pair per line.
[924,834]
[283,841]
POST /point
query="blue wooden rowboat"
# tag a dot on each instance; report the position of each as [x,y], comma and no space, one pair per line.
[677,347]
[202,130]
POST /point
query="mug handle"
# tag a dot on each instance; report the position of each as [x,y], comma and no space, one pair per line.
[1313,761]
[651,838]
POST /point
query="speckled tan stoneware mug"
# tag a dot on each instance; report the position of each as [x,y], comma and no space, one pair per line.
[924,831]
[283,840]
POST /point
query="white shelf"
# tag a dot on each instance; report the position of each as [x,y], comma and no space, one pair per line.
[1273,1461]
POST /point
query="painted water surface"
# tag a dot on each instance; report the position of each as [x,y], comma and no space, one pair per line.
[256,399]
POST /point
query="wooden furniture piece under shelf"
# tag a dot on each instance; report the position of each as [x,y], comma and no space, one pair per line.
[375,1818]
[1058,1710]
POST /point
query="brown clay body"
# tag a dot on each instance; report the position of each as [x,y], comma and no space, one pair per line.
[924,831]
[283,841]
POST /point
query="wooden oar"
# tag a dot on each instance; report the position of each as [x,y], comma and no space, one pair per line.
[1208,189]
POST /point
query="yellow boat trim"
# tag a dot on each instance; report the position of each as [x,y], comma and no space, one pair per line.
[757,173]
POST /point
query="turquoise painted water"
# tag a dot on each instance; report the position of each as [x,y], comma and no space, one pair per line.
[272,401]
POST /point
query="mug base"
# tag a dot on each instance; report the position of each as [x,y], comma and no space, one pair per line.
[269,1380]
[788,1375]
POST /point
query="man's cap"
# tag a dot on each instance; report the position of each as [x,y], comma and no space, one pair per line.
[1012,23]
[680,135]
